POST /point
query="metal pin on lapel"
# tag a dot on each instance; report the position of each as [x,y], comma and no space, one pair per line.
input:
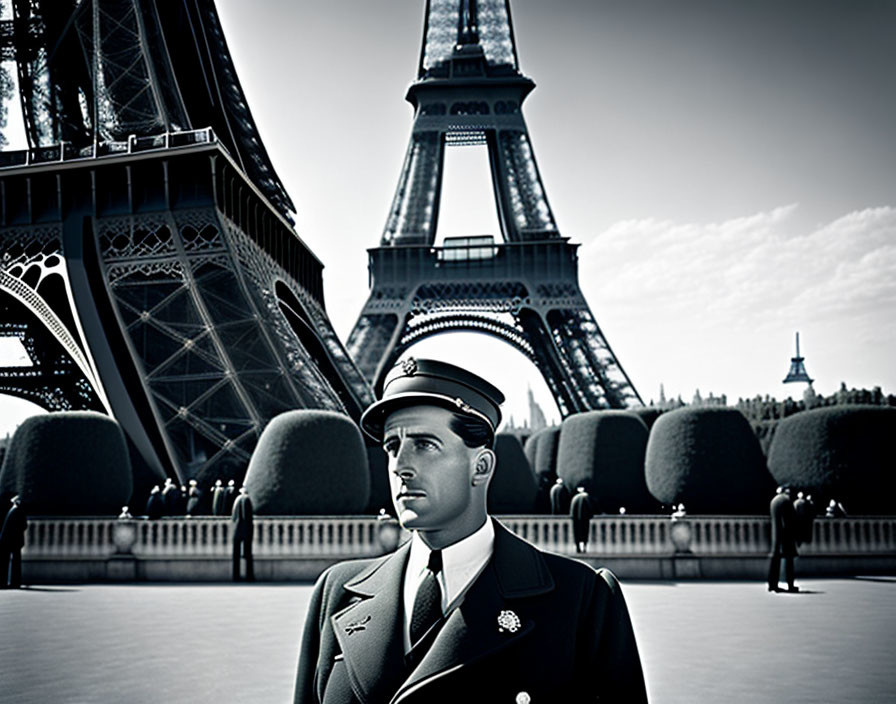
[508,621]
[353,628]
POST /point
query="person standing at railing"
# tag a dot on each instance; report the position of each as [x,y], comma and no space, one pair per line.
[242,518]
[805,517]
[581,511]
[784,532]
[171,497]
[155,504]
[230,494]
[219,499]
[559,498]
[464,610]
[12,540]
[194,497]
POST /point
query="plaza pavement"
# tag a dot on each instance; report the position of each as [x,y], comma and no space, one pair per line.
[729,642]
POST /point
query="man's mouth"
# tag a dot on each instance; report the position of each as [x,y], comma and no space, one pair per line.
[410,494]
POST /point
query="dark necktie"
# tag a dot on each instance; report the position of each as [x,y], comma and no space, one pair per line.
[428,602]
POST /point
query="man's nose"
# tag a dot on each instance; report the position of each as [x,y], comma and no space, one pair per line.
[402,466]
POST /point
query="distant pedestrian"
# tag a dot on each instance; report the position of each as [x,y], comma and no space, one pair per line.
[155,504]
[559,498]
[805,517]
[783,524]
[219,498]
[229,496]
[835,510]
[581,511]
[194,497]
[12,540]
[171,497]
[182,501]
[242,518]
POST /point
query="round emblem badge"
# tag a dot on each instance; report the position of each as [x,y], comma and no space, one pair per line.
[523,698]
[508,621]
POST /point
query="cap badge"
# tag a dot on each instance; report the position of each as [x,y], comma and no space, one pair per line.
[508,621]
[523,698]
[463,405]
[409,366]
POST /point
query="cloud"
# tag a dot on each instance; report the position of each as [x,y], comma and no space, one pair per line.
[719,298]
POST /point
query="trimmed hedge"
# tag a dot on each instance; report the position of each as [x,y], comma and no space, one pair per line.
[71,463]
[380,491]
[546,454]
[513,487]
[709,459]
[310,463]
[841,452]
[764,430]
[543,460]
[603,451]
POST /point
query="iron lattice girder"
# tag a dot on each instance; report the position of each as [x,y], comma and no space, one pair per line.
[103,70]
[525,294]
[209,304]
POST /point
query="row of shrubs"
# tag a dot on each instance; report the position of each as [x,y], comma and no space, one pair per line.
[316,463]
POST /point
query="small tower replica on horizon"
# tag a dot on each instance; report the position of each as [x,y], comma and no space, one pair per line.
[797,368]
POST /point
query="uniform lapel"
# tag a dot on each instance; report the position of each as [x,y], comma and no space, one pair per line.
[369,629]
[472,630]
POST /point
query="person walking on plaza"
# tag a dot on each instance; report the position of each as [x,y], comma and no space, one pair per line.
[219,498]
[464,611]
[784,527]
[243,528]
[581,511]
[559,498]
[155,504]
[12,540]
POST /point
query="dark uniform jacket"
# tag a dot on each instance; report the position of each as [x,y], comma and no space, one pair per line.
[532,622]
[12,535]
[242,518]
[784,528]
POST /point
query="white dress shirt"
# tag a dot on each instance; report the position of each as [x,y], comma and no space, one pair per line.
[461,564]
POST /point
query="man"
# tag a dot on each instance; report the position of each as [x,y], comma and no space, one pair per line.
[155,505]
[805,517]
[171,497]
[464,611]
[581,512]
[219,498]
[242,518]
[194,499]
[784,528]
[12,540]
[559,498]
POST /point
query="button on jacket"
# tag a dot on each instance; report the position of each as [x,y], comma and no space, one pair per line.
[532,622]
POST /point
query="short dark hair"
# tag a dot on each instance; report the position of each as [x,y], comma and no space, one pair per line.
[475,432]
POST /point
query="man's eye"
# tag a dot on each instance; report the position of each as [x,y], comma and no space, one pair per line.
[424,444]
[391,448]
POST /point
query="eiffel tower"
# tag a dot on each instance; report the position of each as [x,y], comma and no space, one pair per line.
[148,261]
[524,289]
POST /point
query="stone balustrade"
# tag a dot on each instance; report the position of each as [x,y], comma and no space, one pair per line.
[342,537]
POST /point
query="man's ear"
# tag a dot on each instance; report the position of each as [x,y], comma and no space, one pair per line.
[483,466]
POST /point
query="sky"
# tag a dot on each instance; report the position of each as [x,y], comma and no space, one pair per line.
[728,169]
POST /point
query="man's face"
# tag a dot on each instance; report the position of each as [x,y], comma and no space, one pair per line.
[431,474]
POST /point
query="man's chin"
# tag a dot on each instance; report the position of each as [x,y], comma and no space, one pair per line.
[410,519]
